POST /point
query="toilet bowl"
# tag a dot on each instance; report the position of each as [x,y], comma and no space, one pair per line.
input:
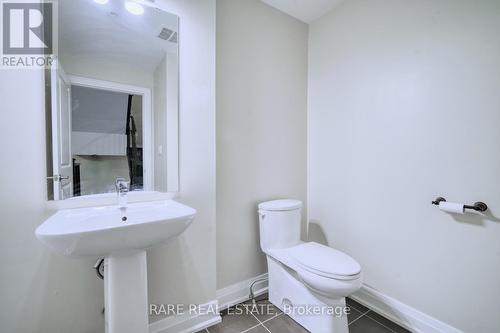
[308,281]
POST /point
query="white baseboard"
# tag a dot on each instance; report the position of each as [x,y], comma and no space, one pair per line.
[400,313]
[239,292]
[186,323]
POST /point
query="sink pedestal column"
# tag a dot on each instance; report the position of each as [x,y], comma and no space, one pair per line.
[126,293]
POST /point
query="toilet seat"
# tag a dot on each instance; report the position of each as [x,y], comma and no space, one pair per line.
[324,261]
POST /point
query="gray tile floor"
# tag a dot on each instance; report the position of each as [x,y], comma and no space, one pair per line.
[266,318]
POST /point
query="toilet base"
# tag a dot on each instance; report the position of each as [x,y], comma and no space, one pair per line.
[314,312]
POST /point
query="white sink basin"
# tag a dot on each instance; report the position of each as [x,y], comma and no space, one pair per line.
[103,231]
[121,236]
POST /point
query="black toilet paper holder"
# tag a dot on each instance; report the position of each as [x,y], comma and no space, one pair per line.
[478,206]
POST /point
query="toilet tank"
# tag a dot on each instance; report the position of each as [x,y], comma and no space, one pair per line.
[279,223]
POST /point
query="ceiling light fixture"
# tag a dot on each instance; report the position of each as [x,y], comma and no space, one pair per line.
[101,2]
[134,8]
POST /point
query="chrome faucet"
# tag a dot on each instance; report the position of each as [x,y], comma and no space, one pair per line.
[121,185]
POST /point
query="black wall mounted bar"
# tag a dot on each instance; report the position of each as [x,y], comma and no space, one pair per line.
[478,206]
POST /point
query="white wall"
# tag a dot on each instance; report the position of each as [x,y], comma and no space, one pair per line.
[172,119]
[98,110]
[166,119]
[404,105]
[160,123]
[46,293]
[41,292]
[261,126]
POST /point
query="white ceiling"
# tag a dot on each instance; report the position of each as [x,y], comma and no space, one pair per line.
[88,30]
[98,111]
[304,10]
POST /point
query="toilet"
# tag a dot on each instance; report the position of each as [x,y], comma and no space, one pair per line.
[307,281]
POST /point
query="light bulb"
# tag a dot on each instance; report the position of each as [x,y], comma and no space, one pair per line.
[134,8]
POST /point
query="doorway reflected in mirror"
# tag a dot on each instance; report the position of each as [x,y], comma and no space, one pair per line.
[106,140]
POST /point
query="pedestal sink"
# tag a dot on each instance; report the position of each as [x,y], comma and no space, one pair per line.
[121,236]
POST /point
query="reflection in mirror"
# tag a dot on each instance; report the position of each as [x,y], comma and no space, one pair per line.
[113,96]
[106,140]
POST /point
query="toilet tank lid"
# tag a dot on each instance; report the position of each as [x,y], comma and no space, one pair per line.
[281,205]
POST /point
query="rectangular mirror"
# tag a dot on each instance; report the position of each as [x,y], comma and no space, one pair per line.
[112,99]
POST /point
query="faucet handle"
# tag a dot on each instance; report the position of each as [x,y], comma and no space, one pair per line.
[121,185]
[120,179]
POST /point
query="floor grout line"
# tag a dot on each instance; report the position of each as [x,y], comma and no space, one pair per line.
[256,317]
[267,329]
[273,317]
[390,329]
[260,322]
[359,310]
[362,315]
[355,320]
[251,328]
[367,315]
